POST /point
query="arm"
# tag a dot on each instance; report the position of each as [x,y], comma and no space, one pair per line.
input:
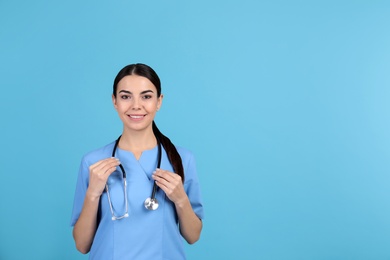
[189,223]
[85,227]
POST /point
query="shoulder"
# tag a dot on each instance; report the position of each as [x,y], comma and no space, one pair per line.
[188,160]
[98,154]
[185,154]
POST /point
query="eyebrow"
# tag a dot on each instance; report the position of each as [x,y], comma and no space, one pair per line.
[143,92]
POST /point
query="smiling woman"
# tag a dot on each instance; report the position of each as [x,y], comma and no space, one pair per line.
[110,218]
[137,102]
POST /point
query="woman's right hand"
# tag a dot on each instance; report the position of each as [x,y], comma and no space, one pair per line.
[85,227]
[98,175]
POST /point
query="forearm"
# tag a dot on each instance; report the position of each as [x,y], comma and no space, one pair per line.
[85,227]
[189,223]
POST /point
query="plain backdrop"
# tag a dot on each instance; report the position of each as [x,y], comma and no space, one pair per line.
[284,103]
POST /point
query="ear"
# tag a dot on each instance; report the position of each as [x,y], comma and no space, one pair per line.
[114,101]
[159,102]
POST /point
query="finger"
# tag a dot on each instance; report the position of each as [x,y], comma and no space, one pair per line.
[170,181]
[164,187]
[174,192]
[167,175]
[98,165]
[110,167]
[161,182]
[105,166]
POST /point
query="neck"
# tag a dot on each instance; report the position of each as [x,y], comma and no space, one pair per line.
[137,141]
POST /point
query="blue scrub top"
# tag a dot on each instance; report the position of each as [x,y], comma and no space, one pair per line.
[144,234]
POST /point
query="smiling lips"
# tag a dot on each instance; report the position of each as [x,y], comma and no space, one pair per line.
[136,117]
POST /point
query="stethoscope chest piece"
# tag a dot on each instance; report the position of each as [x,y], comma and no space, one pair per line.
[151,203]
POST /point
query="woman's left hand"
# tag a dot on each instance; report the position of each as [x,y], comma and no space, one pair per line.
[171,184]
[189,223]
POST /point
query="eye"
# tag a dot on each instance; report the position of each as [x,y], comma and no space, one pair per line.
[125,97]
[147,97]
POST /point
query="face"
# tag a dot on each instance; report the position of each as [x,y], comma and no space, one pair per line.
[136,102]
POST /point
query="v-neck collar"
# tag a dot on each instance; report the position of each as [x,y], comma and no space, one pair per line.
[147,162]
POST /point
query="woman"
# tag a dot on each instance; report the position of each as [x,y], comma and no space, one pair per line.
[109,224]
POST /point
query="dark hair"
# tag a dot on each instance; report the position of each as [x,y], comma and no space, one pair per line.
[143,70]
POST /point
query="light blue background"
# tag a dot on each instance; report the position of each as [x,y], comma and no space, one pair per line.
[284,103]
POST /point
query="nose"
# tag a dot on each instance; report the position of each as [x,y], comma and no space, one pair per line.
[136,104]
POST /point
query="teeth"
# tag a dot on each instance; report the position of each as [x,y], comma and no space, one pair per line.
[136,117]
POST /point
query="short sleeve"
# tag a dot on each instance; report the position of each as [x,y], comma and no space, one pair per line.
[192,186]
[81,189]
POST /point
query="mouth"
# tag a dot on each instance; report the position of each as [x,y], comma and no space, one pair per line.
[136,117]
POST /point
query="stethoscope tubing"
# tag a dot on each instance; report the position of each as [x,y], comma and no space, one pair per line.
[155,187]
[113,155]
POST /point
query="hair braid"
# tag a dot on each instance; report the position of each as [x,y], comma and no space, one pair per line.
[173,154]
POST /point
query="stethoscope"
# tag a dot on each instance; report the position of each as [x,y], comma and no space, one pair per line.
[150,203]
